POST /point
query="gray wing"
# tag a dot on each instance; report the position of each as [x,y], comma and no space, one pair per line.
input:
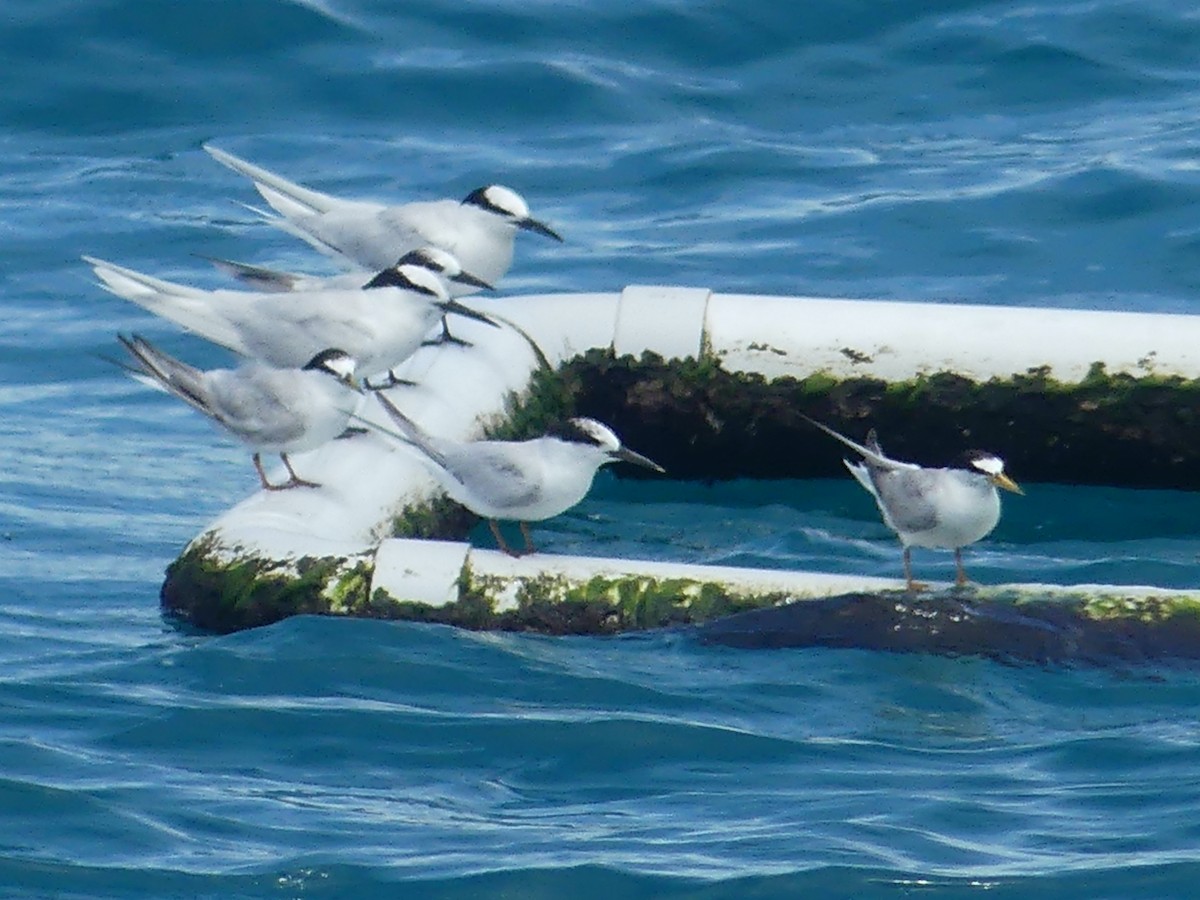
[367,234]
[493,472]
[288,329]
[260,405]
[905,497]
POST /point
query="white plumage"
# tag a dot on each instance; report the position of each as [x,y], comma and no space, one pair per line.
[269,409]
[479,230]
[523,481]
[379,326]
[943,508]
[457,282]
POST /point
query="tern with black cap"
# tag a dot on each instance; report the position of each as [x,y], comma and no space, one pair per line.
[380,324]
[942,508]
[521,481]
[479,230]
[269,409]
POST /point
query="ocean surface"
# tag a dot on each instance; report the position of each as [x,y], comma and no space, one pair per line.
[1040,153]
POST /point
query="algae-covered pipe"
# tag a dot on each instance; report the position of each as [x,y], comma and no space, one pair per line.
[449,582]
[711,385]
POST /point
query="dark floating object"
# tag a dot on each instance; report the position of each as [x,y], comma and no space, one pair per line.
[1040,631]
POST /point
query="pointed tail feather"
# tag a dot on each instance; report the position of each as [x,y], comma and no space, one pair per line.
[284,204]
[129,284]
[861,474]
[258,277]
[872,454]
[412,432]
[189,308]
[167,373]
[297,197]
[137,374]
[284,224]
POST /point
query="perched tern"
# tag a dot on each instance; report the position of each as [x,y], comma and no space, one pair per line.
[458,283]
[945,508]
[271,410]
[522,481]
[479,230]
[380,325]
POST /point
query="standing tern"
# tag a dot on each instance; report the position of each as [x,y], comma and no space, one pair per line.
[945,508]
[269,409]
[480,229]
[522,481]
[380,325]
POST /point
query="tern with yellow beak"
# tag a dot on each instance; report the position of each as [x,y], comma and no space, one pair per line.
[945,508]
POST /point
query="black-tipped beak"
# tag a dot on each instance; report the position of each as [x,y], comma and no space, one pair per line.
[468,278]
[1003,481]
[626,455]
[453,306]
[535,225]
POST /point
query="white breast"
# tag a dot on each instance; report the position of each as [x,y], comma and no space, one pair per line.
[968,508]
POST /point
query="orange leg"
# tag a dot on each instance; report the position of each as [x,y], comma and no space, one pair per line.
[961,577]
[913,586]
[296,481]
[529,548]
[262,476]
[500,538]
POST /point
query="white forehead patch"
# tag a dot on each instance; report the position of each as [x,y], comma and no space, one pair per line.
[509,201]
[423,277]
[440,261]
[342,365]
[601,434]
[989,465]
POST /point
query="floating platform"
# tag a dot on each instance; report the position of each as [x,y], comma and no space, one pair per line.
[713,386]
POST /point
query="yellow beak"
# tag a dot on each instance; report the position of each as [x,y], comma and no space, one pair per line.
[1003,481]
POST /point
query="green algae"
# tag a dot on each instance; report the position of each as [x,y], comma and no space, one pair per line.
[555,604]
[703,422]
[349,590]
[224,590]
[1149,609]
[438,518]
[219,591]
[548,399]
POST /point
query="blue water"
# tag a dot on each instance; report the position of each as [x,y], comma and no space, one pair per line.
[1043,153]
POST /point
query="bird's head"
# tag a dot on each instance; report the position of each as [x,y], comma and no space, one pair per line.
[443,263]
[510,206]
[598,436]
[992,467]
[409,276]
[338,363]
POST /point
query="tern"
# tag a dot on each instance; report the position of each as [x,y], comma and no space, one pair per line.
[945,508]
[270,410]
[458,282]
[479,230]
[522,481]
[380,325]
